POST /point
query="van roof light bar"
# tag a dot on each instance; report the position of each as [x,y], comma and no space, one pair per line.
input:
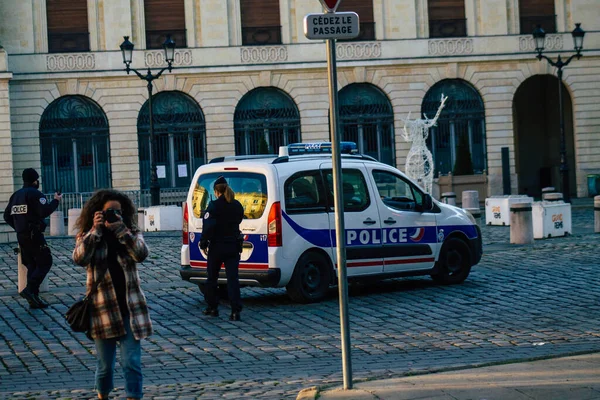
[296,149]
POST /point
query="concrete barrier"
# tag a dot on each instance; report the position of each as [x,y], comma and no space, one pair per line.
[597,214]
[74,214]
[449,198]
[521,223]
[57,223]
[22,274]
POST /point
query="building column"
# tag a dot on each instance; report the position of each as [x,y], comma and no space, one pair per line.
[138,24]
[40,26]
[234,15]
[193,33]
[7,180]
[422,18]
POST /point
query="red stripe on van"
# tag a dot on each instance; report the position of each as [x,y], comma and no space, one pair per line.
[355,264]
[413,260]
[202,264]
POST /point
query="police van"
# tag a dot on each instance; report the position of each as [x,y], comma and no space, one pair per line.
[393,228]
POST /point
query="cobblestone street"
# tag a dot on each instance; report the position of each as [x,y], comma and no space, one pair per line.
[520,302]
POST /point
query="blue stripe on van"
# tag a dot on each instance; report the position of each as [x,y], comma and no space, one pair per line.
[384,236]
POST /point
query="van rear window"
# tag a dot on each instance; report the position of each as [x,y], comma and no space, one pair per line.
[250,189]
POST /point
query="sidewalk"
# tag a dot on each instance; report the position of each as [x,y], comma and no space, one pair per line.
[568,378]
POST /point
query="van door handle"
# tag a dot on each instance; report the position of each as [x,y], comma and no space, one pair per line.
[389,221]
[369,221]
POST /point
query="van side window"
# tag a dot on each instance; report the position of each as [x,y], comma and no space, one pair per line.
[396,192]
[355,194]
[304,193]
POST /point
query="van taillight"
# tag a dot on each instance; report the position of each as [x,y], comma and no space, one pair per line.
[185,235]
[274,228]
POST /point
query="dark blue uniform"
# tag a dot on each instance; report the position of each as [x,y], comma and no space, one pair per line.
[25,213]
[220,233]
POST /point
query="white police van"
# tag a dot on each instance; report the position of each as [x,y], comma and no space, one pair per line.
[393,228]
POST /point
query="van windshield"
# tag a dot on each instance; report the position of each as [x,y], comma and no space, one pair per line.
[250,189]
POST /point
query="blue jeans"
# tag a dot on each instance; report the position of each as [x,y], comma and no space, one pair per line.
[131,361]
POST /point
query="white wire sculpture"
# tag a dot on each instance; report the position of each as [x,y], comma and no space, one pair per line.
[419,161]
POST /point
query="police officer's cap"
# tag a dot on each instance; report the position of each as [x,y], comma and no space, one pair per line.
[220,180]
[30,175]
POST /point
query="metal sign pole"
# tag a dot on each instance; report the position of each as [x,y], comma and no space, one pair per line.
[340,231]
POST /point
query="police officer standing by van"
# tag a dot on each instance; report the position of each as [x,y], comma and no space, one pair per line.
[25,213]
[221,237]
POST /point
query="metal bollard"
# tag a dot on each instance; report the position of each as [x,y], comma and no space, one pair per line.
[597,214]
[521,223]
[552,197]
[22,274]
[74,214]
[549,189]
[57,223]
[449,198]
[141,219]
[470,199]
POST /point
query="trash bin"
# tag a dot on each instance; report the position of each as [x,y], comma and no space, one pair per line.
[593,185]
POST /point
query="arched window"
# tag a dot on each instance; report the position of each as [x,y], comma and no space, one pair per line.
[179,139]
[67,26]
[367,118]
[74,146]
[447,18]
[162,18]
[261,23]
[364,9]
[462,122]
[537,12]
[265,119]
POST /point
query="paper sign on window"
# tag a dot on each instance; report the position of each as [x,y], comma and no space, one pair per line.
[182,170]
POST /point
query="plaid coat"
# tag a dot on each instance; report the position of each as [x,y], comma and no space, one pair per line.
[107,321]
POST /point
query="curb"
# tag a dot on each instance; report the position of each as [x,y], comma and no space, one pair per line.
[308,393]
[313,392]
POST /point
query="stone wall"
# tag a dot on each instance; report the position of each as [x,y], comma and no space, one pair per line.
[217,93]
[6,152]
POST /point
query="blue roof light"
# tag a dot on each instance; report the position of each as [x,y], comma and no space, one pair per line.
[321,148]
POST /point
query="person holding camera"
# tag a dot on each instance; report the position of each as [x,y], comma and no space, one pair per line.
[25,213]
[221,238]
[109,245]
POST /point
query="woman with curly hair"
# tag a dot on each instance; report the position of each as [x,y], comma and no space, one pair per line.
[109,245]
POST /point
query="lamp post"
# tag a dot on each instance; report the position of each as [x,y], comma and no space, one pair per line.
[539,37]
[127,50]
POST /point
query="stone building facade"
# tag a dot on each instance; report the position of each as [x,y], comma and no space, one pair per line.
[227,78]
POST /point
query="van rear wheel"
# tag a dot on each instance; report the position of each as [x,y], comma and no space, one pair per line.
[454,264]
[310,280]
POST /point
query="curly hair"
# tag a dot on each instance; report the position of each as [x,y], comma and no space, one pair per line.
[97,202]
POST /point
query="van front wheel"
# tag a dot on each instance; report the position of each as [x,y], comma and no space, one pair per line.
[310,280]
[454,263]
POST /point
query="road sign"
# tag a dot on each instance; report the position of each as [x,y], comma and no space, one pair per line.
[343,25]
[331,5]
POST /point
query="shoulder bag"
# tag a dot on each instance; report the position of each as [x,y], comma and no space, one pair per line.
[79,315]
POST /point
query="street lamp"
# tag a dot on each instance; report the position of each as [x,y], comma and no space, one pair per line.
[539,37]
[127,50]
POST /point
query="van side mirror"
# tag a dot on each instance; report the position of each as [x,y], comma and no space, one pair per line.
[427,203]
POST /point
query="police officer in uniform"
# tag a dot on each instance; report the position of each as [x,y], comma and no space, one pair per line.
[221,236]
[25,213]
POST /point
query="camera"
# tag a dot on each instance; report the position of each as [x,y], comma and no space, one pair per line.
[111,215]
